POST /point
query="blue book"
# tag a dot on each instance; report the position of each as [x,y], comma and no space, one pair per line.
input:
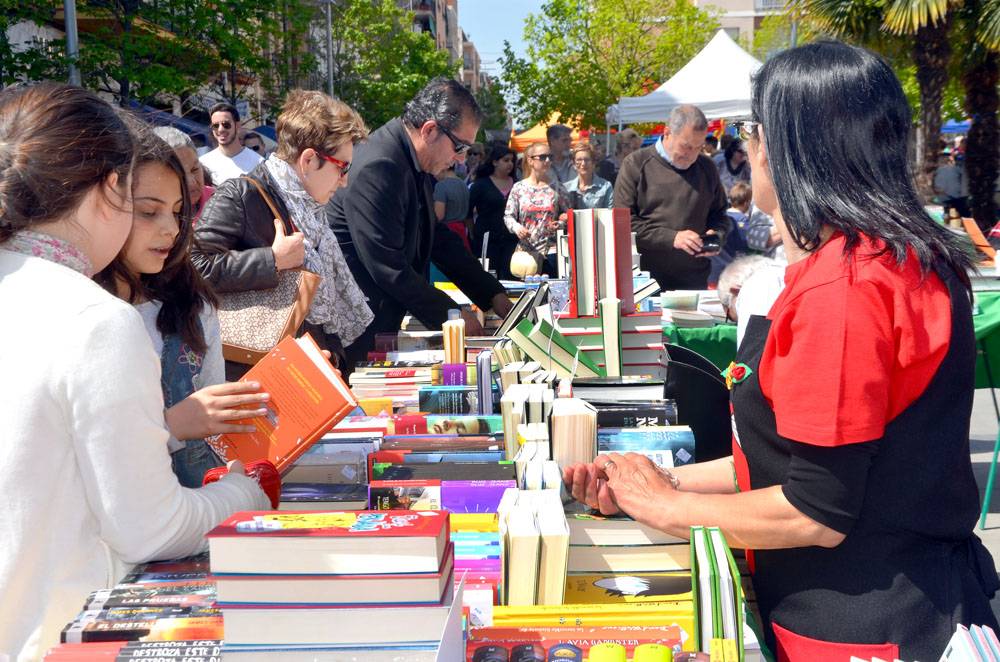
[678,439]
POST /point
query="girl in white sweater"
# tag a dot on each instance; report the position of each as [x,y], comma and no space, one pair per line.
[84,469]
[154,273]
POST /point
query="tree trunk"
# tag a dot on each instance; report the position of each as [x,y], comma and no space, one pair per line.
[931,53]
[982,158]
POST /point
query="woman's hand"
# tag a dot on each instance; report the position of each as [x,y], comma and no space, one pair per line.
[209,411]
[628,483]
[523,233]
[289,250]
[589,485]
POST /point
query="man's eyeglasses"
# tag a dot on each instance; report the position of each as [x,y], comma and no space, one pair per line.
[541,157]
[221,125]
[345,166]
[747,129]
[460,146]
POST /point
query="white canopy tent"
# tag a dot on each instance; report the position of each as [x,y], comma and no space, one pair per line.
[717,80]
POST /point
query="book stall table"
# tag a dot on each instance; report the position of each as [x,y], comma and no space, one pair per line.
[986,324]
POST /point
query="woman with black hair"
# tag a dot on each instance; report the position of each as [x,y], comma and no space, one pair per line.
[850,477]
[487,201]
[734,166]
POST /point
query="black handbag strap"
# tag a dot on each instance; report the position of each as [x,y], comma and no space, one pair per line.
[270,203]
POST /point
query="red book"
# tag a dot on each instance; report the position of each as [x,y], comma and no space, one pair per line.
[330,543]
[307,399]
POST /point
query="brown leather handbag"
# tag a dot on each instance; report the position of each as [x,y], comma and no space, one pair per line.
[254,321]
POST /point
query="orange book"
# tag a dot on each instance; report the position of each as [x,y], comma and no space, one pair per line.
[307,398]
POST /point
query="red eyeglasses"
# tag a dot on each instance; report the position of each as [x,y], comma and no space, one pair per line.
[345,166]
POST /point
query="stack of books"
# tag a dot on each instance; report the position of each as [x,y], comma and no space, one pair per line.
[637,337]
[157,602]
[322,581]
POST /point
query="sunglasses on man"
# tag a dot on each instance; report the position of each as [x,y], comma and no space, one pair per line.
[460,146]
[221,125]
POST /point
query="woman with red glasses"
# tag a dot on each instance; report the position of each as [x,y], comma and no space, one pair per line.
[240,245]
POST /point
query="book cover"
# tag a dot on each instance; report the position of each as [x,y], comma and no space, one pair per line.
[144,623]
[300,494]
[404,495]
[635,415]
[473,496]
[191,568]
[355,525]
[460,471]
[164,594]
[453,374]
[563,643]
[449,399]
[424,423]
[617,588]
[307,399]
[678,439]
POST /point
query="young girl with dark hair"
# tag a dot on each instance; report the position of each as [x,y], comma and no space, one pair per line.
[154,273]
[850,483]
[85,473]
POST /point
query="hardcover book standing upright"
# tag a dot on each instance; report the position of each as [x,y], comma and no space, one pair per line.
[307,398]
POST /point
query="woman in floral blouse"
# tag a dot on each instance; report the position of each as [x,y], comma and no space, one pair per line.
[536,206]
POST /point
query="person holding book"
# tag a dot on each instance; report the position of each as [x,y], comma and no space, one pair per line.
[240,245]
[85,474]
[487,201]
[154,273]
[536,206]
[850,478]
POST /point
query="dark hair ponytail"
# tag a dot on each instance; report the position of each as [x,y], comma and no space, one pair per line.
[836,124]
[57,142]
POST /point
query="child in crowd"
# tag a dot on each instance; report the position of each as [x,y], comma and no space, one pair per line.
[740,197]
[85,473]
[154,273]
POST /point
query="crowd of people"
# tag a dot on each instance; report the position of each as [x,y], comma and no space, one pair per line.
[850,472]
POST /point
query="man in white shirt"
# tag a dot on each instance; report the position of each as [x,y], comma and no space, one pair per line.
[230,159]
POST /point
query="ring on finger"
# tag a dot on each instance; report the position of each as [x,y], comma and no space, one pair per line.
[610,464]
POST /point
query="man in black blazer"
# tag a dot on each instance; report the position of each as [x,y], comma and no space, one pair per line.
[385,222]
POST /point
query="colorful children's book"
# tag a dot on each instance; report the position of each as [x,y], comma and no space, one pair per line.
[334,543]
[307,398]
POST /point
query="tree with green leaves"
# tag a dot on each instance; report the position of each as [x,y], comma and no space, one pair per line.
[379,62]
[582,55]
[143,49]
[494,107]
[923,31]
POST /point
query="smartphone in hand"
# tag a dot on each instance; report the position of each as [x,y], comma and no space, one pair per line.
[709,243]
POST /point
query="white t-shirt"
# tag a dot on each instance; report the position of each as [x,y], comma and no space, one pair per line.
[222,167]
[87,484]
[757,294]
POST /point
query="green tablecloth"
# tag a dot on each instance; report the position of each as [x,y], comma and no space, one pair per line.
[718,344]
[986,320]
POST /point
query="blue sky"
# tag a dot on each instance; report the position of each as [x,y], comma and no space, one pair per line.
[489,22]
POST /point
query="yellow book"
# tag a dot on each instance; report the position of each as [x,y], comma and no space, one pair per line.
[627,588]
[474,522]
[680,613]
[716,651]
[375,406]
[730,650]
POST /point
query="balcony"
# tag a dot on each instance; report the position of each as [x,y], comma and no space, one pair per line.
[769,6]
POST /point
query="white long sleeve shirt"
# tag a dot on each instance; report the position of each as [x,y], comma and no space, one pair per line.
[85,476]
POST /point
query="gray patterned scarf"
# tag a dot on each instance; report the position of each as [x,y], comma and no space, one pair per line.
[340,306]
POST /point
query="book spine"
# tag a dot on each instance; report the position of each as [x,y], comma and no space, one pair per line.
[453,374]
[574,304]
